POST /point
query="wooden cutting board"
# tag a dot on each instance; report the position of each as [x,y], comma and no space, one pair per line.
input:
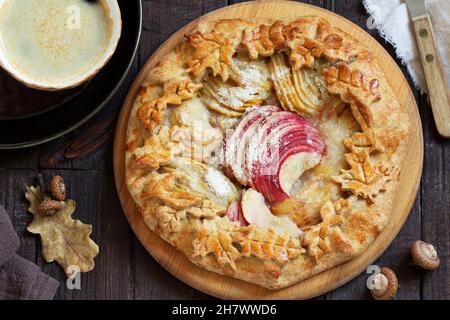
[229,288]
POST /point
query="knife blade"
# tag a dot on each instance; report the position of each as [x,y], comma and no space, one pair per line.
[416,8]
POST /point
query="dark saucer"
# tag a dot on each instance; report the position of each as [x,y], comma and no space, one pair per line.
[29,117]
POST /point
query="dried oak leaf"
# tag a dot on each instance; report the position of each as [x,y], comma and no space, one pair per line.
[64,239]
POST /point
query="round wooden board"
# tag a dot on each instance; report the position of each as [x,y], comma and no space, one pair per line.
[230,288]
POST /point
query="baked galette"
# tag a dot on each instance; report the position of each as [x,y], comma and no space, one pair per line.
[266,150]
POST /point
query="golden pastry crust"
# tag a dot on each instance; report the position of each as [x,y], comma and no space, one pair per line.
[190,217]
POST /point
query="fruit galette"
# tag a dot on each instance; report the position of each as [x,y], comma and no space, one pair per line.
[264,150]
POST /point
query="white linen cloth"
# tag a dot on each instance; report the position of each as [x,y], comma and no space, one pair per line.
[392,19]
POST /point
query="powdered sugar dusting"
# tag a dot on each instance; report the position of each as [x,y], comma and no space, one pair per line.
[217,182]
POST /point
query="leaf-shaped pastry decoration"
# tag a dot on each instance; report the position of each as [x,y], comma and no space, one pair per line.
[364,178]
[316,238]
[258,41]
[308,38]
[363,140]
[211,51]
[298,91]
[63,239]
[228,241]
[341,77]
[185,183]
[151,113]
[157,150]
[167,189]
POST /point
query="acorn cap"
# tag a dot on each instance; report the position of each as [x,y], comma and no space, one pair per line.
[58,188]
[385,285]
[49,206]
[425,255]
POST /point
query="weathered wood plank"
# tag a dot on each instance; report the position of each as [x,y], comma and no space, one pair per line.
[20,159]
[211,5]
[161,19]
[100,159]
[435,206]
[12,187]
[110,277]
[152,281]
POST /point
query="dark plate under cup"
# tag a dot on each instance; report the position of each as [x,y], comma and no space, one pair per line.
[29,117]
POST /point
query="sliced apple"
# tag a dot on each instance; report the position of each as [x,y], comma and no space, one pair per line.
[235,142]
[305,89]
[248,86]
[234,213]
[270,149]
[254,146]
[256,211]
[300,137]
[293,168]
[258,146]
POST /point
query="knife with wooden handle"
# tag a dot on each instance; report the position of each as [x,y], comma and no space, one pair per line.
[432,66]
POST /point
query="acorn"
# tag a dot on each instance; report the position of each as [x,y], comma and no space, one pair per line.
[385,285]
[58,188]
[425,255]
[49,206]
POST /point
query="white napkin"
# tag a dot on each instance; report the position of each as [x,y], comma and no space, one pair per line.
[391,18]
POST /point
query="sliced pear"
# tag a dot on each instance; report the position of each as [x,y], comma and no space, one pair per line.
[217,107]
[307,88]
[307,105]
[297,90]
[249,86]
[281,77]
[200,178]
[258,213]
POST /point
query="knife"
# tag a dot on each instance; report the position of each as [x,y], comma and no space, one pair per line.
[432,66]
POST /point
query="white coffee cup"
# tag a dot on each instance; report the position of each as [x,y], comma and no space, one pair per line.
[57,44]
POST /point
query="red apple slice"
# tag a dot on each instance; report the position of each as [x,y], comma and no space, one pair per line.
[293,168]
[238,166]
[280,146]
[236,141]
[234,213]
[270,149]
[257,212]
[279,189]
[255,146]
[267,165]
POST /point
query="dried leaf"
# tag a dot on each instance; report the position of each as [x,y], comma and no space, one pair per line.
[64,239]
[91,138]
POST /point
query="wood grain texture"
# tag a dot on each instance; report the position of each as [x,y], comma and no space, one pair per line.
[148,279]
[435,193]
[397,256]
[225,287]
[434,73]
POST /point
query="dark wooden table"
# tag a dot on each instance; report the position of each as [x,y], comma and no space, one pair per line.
[124,270]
